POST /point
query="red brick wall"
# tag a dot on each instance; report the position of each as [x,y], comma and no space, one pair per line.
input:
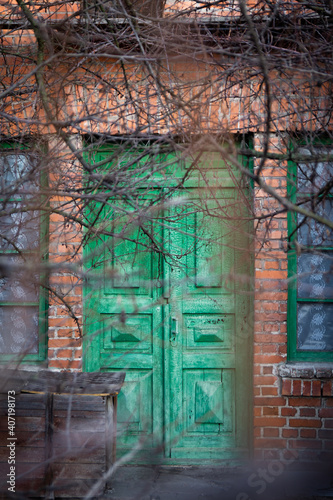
[65,255]
[293,409]
[292,406]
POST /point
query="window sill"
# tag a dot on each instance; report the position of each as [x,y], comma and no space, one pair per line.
[305,370]
[305,379]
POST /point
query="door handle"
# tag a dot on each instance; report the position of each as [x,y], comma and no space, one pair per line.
[174,331]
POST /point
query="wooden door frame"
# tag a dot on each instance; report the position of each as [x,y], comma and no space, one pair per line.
[244,358]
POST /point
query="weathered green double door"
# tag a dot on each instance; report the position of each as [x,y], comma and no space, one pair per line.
[179,326]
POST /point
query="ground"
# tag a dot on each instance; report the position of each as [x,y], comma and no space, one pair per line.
[203,483]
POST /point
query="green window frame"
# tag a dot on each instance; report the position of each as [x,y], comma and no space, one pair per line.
[310,258]
[23,303]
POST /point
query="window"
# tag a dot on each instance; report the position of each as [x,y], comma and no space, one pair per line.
[118,9]
[310,301]
[22,301]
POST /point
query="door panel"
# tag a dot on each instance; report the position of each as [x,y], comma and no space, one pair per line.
[124,323]
[184,347]
[202,348]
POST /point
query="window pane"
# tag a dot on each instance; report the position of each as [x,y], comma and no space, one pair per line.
[315,327]
[18,330]
[313,175]
[315,276]
[311,232]
[18,228]
[17,283]
[17,174]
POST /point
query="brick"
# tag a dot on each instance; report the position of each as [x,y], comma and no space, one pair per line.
[271,275]
[268,380]
[282,349]
[326,412]
[78,354]
[325,433]
[328,423]
[270,306]
[296,388]
[270,410]
[307,412]
[269,348]
[324,372]
[64,353]
[328,445]
[62,322]
[305,401]
[327,388]
[269,391]
[272,264]
[302,372]
[304,422]
[64,343]
[269,401]
[269,359]
[68,333]
[271,432]
[64,364]
[265,338]
[269,422]
[307,387]
[316,388]
[286,387]
[308,433]
[288,412]
[290,433]
[270,443]
[306,443]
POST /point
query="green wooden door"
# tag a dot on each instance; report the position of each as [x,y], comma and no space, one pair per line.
[179,329]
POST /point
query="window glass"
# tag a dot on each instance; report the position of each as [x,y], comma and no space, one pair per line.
[19,228]
[18,282]
[315,276]
[19,255]
[315,326]
[313,233]
[17,173]
[311,311]
[313,176]
[19,330]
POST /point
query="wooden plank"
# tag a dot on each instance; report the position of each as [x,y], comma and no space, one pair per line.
[28,424]
[80,403]
[77,471]
[110,433]
[81,423]
[61,438]
[24,401]
[71,488]
[49,442]
[82,455]
[30,488]
[79,439]
[23,454]
[25,438]
[61,383]
[26,470]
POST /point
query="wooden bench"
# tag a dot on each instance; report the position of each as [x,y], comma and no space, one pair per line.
[64,437]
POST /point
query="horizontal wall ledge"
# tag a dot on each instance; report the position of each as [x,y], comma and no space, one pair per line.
[305,370]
